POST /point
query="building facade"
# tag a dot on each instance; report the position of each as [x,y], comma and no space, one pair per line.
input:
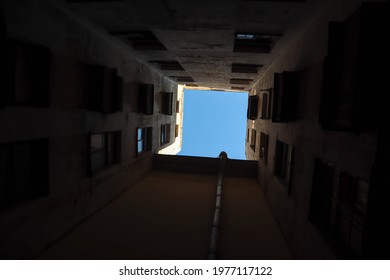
[93,89]
[80,120]
[314,126]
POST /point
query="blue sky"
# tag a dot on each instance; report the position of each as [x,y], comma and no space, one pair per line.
[214,121]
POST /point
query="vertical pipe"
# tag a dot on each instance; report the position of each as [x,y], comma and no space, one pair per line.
[217,210]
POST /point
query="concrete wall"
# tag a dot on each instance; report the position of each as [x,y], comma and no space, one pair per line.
[26,228]
[352,152]
[169,215]
[166,215]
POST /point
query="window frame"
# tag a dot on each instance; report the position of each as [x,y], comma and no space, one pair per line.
[266,104]
[283,165]
[263,152]
[285,96]
[252,144]
[338,205]
[177,106]
[176,130]
[27,79]
[104,89]
[35,167]
[111,149]
[167,103]
[165,131]
[253,104]
[249,42]
[145,140]
[146,99]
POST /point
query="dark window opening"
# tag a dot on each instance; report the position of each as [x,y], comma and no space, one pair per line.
[144,139]
[177,130]
[167,103]
[253,140]
[241,81]
[245,68]
[266,105]
[339,212]
[350,99]
[264,138]
[178,106]
[285,95]
[322,195]
[104,150]
[104,89]
[141,40]
[168,65]
[284,154]
[24,171]
[146,99]
[253,101]
[26,81]
[183,79]
[350,213]
[237,88]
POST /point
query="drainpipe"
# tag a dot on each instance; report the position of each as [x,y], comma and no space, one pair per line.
[217,210]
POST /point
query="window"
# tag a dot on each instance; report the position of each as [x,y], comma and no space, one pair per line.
[350,213]
[241,81]
[181,79]
[266,105]
[285,95]
[165,134]
[104,89]
[104,150]
[322,195]
[26,81]
[253,101]
[348,101]
[254,42]
[178,106]
[146,99]
[247,135]
[167,103]
[144,139]
[24,171]
[168,65]
[283,161]
[253,140]
[177,130]
[264,147]
[240,36]
[339,212]
[143,40]
[245,68]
